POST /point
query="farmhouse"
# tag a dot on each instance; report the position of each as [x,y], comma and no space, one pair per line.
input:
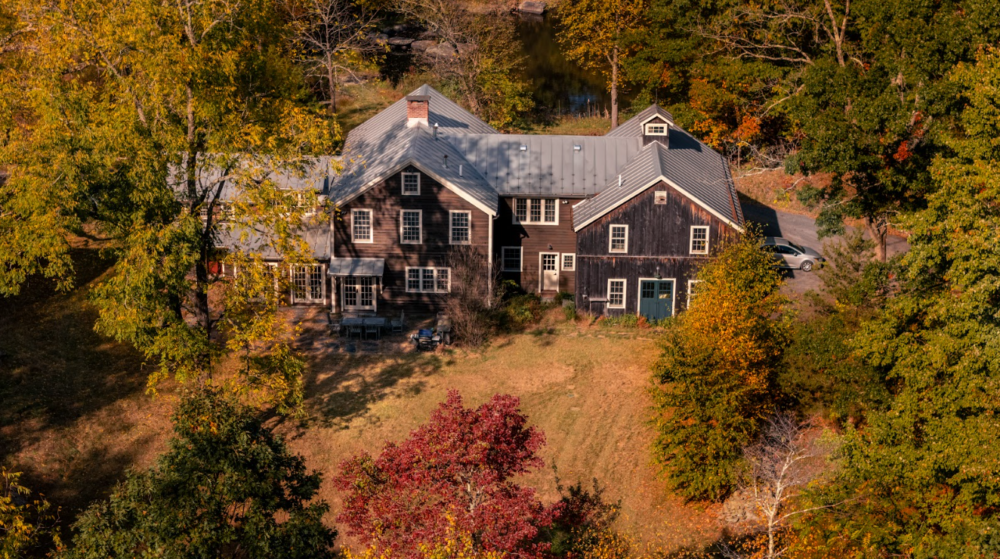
[622,221]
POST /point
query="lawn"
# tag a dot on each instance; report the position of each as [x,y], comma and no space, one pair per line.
[75,414]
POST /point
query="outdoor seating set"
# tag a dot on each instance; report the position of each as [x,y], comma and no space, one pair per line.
[365,325]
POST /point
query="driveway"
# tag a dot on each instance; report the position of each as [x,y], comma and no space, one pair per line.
[801,229]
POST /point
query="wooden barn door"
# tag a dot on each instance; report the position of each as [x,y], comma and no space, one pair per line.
[656,298]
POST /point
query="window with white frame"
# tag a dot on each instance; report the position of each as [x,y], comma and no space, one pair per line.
[409,227]
[568,262]
[656,129]
[411,184]
[428,280]
[510,258]
[308,283]
[537,211]
[359,292]
[616,294]
[618,238]
[699,239]
[361,226]
[691,290]
[459,228]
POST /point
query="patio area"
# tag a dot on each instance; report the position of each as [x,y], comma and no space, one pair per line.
[360,332]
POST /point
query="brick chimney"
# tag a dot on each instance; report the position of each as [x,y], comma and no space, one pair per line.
[417,109]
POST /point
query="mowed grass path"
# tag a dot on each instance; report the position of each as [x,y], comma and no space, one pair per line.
[74,415]
[584,387]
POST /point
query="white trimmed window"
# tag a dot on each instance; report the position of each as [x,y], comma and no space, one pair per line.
[428,280]
[616,294]
[618,239]
[410,232]
[691,289]
[361,226]
[656,129]
[411,184]
[459,228]
[308,283]
[536,211]
[568,262]
[699,239]
[510,258]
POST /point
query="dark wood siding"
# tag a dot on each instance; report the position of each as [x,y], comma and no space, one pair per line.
[659,238]
[386,202]
[535,239]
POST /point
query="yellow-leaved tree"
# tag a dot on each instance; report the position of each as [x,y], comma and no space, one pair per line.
[714,384]
[599,35]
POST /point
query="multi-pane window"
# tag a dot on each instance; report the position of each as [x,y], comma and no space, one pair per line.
[359,292]
[361,226]
[568,262]
[511,259]
[699,239]
[619,239]
[656,129]
[460,223]
[307,282]
[616,294]
[691,290]
[409,227]
[536,210]
[411,184]
[428,280]
[521,210]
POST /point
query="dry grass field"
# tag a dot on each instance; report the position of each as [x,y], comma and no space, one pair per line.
[75,414]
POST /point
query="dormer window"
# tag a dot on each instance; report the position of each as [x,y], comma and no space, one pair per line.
[656,129]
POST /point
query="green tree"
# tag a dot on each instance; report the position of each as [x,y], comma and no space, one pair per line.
[864,89]
[227,487]
[714,384]
[599,34]
[921,480]
[161,126]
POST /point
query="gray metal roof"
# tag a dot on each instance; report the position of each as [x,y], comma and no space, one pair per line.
[372,159]
[317,237]
[633,126]
[695,168]
[442,111]
[357,266]
[547,165]
[309,173]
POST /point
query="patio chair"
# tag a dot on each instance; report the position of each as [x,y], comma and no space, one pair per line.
[373,329]
[354,329]
[335,327]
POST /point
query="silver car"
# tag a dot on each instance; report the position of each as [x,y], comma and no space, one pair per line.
[790,255]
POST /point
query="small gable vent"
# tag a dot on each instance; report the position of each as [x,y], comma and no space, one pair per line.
[660,197]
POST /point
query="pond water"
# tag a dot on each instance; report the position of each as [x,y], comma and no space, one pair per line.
[558,85]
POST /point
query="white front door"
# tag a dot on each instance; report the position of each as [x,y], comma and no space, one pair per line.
[549,266]
[358,293]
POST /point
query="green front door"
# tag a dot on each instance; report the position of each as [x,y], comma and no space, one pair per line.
[656,298]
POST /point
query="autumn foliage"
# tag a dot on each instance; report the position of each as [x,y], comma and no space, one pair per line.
[452,476]
[715,381]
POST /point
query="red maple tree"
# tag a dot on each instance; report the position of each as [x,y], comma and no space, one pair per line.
[453,473]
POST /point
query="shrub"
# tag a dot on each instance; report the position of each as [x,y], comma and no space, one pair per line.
[521,310]
[475,296]
[619,321]
[570,311]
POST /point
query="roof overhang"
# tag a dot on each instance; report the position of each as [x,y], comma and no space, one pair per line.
[412,162]
[638,191]
[357,267]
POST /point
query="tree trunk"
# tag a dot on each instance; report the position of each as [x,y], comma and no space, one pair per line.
[614,88]
[331,82]
[201,267]
[877,229]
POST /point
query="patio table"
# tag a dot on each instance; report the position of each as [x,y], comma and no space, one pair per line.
[378,321]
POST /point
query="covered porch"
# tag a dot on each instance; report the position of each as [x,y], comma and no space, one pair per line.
[356,284]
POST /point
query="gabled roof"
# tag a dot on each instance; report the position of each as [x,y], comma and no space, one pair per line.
[443,112]
[692,168]
[548,165]
[633,126]
[372,160]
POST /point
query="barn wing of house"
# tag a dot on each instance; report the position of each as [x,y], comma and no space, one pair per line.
[622,221]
